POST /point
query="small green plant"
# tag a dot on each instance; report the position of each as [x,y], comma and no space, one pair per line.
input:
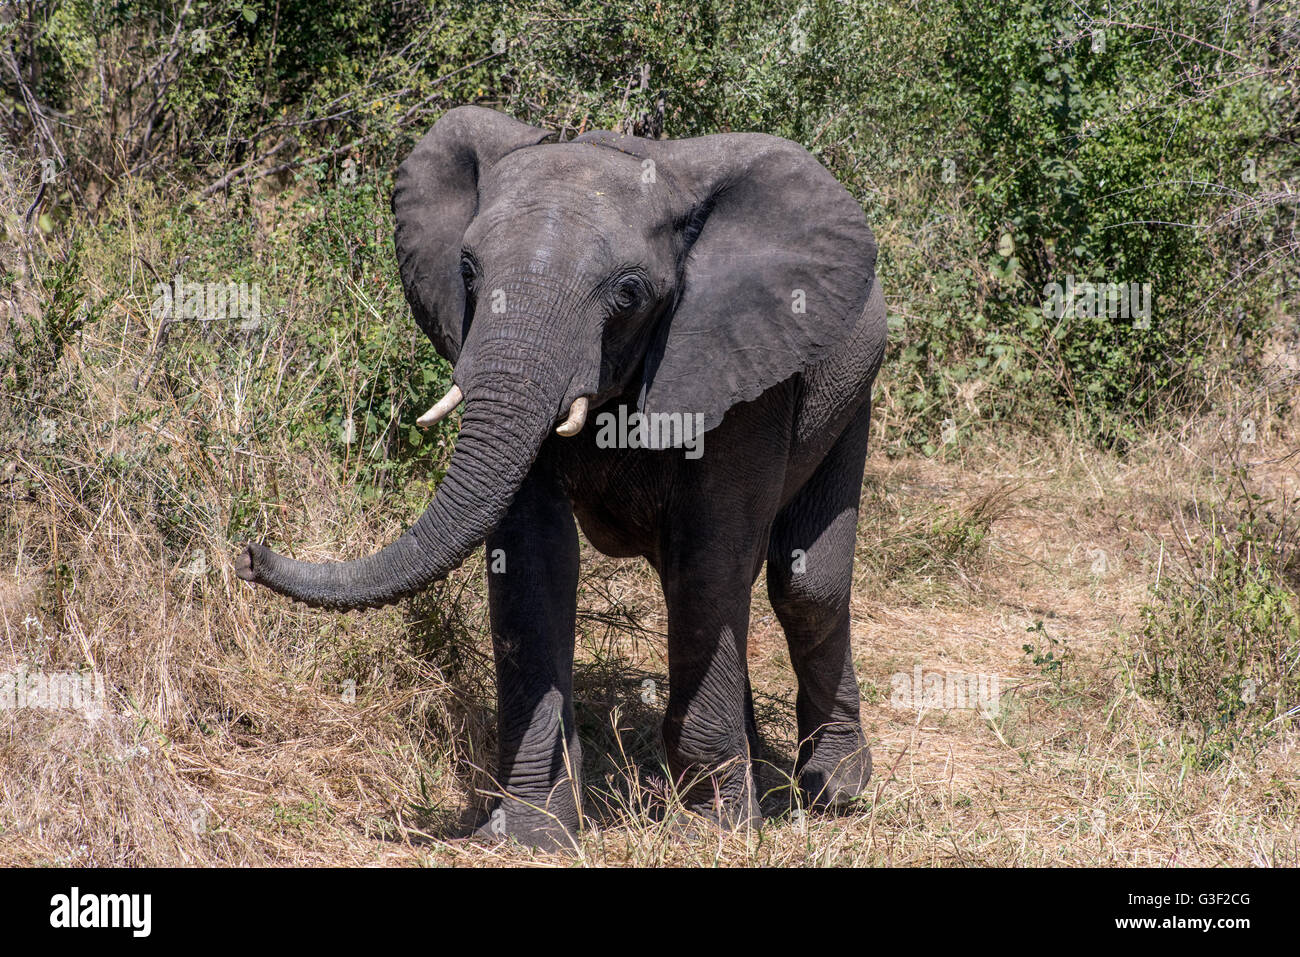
[33,344]
[298,815]
[960,536]
[1049,655]
[1220,648]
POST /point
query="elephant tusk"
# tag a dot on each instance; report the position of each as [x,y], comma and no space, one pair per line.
[441,407]
[576,420]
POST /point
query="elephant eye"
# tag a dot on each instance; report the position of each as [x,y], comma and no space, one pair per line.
[467,272]
[628,292]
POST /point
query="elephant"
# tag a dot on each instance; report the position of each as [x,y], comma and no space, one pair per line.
[713,302]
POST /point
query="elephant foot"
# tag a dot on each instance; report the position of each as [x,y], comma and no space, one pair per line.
[544,826]
[725,799]
[700,821]
[837,772]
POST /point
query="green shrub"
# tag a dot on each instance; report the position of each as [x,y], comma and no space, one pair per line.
[1108,157]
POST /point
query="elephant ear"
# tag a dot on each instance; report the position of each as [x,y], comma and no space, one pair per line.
[779,262]
[435,195]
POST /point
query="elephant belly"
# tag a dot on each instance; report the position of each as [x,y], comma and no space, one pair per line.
[618,497]
[606,536]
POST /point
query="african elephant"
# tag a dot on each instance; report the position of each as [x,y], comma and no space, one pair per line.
[713,302]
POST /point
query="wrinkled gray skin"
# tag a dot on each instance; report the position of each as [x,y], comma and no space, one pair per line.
[666,276]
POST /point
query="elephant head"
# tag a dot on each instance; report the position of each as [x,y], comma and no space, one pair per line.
[554,276]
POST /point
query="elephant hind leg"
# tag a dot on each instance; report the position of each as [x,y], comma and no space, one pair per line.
[809,582]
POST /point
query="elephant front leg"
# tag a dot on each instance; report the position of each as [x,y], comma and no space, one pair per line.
[708,722]
[532,562]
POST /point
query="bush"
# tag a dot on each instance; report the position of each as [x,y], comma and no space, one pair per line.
[1114,153]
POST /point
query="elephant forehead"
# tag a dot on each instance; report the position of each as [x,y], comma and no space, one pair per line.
[609,185]
[543,234]
[538,235]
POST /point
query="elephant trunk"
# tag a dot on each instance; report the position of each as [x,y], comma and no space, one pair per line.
[507,417]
